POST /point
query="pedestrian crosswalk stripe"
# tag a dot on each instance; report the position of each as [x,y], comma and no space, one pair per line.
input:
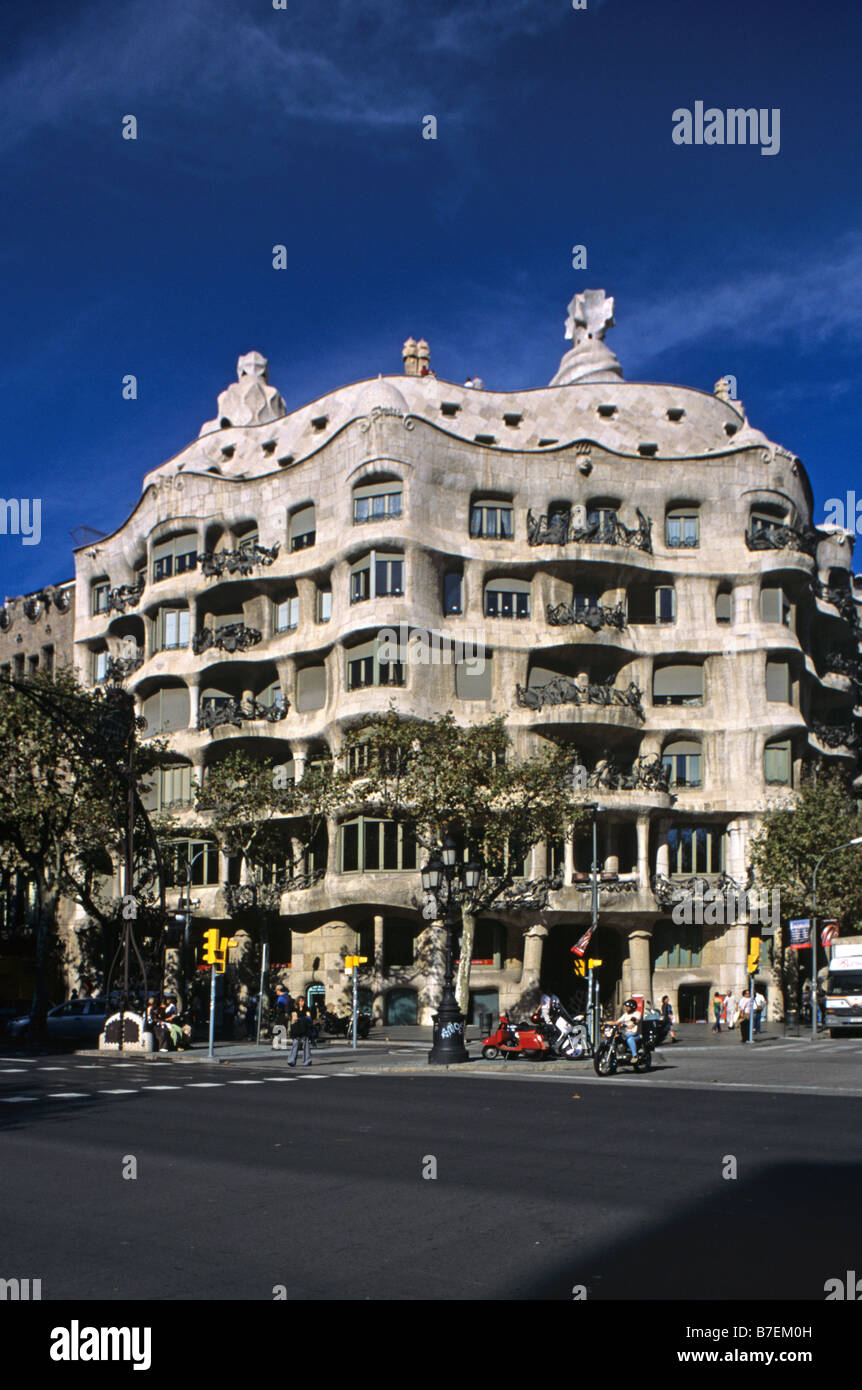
[6,1071]
[11,1100]
[199,1084]
[161,1088]
[67,1095]
[119,1091]
[245,1083]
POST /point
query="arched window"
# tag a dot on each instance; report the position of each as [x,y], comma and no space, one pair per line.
[301,529]
[507,598]
[176,556]
[724,605]
[683,759]
[310,688]
[778,763]
[682,528]
[377,501]
[678,685]
[166,710]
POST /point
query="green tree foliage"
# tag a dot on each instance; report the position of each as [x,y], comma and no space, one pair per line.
[791,841]
[440,778]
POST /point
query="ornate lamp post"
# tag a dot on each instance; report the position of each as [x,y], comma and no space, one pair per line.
[448,1044]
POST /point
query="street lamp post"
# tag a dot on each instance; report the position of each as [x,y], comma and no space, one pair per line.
[448,1041]
[857,841]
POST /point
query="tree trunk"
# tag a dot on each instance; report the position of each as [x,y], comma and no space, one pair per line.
[462,986]
[432,962]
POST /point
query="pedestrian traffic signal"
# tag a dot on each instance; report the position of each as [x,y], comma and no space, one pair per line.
[351,962]
[753,955]
[580,965]
[222,953]
[211,948]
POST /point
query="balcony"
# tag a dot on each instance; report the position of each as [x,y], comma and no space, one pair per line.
[773,535]
[564,691]
[648,773]
[842,599]
[123,597]
[119,668]
[701,888]
[840,664]
[216,713]
[835,735]
[233,637]
[215,563]
[594,617]
[565,529]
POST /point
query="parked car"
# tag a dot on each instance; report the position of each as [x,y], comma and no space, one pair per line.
[78,1021]
[10,1010]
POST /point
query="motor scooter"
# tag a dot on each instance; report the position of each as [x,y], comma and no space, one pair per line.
[509,1040]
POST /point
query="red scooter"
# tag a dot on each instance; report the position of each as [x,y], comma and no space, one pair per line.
[510,1041]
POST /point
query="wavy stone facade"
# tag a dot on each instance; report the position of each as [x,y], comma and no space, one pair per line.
[641,567]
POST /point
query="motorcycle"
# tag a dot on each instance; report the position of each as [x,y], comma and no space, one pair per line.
[567,1036]
[614,1052]
[509,1040]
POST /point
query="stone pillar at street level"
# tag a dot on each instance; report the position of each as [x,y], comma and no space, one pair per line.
[639,958]
[534,941]
[643,852]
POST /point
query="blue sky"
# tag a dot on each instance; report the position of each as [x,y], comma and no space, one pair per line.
[303,127]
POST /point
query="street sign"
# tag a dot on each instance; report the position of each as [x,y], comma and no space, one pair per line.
[800,934]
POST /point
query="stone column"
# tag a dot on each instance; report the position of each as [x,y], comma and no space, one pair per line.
[643,852]
[612,856]
[534,941]
[639,957]
[662,858]
[568,858]
[378,945]
[194,689]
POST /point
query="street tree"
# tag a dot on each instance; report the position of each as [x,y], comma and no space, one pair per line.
[438,778]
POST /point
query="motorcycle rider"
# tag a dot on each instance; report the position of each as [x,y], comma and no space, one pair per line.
[630,1023]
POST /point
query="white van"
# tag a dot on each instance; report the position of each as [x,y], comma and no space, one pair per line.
[844,988]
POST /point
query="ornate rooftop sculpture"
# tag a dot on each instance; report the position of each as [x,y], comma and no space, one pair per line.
[591,314]
[250,400]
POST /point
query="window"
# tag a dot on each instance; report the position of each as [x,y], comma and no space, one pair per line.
[367,845]
[678,685]
[248,540]
[682,528]
[775,606]
[604,516]
[100,666]
[778,682]
[683,760]
[365,668]
[272,697]
[171,786]
[324,603]
[452,593]
[172,629]
[48,661]
[766,526]
[507,598]
[301,531]
[176,556]
[474,678]
[310,689]
[652,603]
[287,614]
[377,502]
[696,849]
[100,594]
[399,948]
[778,763]
[491,521]
[194,861]
[724,606]
[674,946]
[166,710]
[376,576]
[583,601]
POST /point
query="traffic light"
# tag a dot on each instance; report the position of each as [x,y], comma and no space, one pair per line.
[222,953]
[580,965]
[753,955]
[352,962]
[211,948]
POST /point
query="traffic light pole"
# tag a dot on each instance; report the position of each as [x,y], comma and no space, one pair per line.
[212,1008]
[355,1004]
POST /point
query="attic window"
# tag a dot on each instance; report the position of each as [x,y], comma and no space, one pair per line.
[648,451]
[607,411]
[228,451]
[675,413]
[225,424]
[513,421]
[269,446]
[286,460]
[730,429]
[320,422]
[543,442]
[449,407]
[485,439]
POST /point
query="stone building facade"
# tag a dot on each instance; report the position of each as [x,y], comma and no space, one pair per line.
[637,566]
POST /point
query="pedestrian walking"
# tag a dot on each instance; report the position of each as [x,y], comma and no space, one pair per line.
[744,1015]
[667,1017]
[251,1016]
[730,1010]
[758,1008]
[300,1032]
[717,1008]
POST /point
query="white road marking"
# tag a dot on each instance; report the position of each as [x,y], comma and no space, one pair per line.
[201,1084]
[12,1100]
[119,1091]
[161,1088]
[6,1071]
[52,1068]
[245,1083]
[67,1095]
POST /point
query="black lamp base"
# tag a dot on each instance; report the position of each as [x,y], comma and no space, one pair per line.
[448,1040]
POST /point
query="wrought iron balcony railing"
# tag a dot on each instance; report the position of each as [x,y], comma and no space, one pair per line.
[705,887]
[841,664]
[648,773]
[563,691]
[214,715]
[842,599]
[233,637]
[773,535]
[118,668]
[123,597]
[835,735]
[606,885]
[215,563]
[595,617]
[565,529]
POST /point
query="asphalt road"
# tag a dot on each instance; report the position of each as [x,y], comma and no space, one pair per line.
[254,1178]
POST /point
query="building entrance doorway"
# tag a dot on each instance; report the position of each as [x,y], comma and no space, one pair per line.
[693,1003]
[558,973]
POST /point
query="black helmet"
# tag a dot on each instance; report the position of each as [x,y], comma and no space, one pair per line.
[630,1004]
